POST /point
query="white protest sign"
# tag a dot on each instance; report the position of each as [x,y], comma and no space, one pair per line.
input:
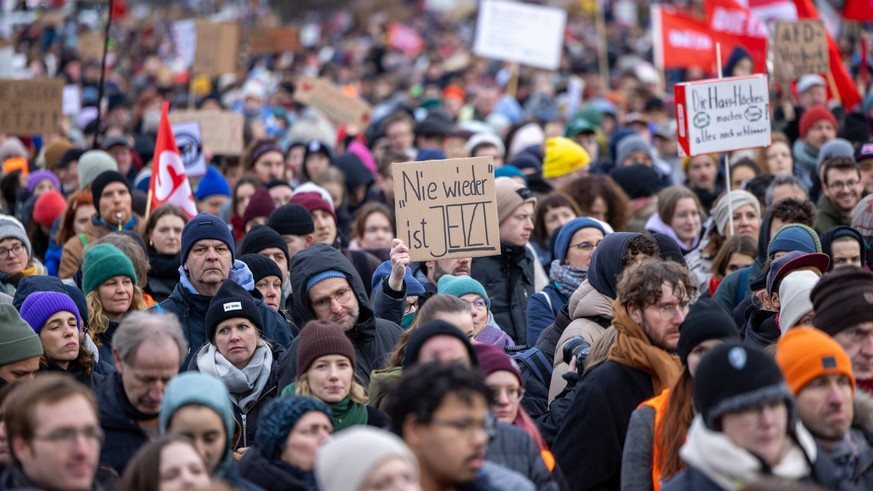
[723,115]
[185,40]
[72,100]
[527,34]
[190,143]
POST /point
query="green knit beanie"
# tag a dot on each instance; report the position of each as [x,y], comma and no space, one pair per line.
[104,261]
[458,286]
[17,340]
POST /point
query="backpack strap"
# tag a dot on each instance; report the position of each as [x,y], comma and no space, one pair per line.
[741,288]
[535,360]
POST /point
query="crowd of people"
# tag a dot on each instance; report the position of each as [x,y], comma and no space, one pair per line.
[651,321]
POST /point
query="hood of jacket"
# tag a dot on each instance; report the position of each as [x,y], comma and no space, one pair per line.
[763,239]
[606,262]
[272,474]
[588,302]
[317,259]
[239,274]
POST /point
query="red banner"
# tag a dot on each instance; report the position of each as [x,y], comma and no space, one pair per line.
[740,28]
[681,41]
[860,10]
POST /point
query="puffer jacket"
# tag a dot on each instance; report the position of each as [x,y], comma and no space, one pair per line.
[509,281]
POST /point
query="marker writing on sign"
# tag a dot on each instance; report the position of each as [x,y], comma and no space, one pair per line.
[464,228]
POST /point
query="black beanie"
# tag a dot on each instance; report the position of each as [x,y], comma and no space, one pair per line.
[104,179]
[706,320]
[839,232]
[843,298]
[733,378]
[261,266]
[668,249]
[291,219]
[261,237]
[229,302]
[428,330]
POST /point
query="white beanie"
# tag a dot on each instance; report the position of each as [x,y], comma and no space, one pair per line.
[794,297]
[345,462]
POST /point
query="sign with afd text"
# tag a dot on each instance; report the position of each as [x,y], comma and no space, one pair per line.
[723,115]
[799,47]
[447,208]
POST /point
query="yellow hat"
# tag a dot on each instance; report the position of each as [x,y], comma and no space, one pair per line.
[687,160]
[563,156]
[201,85]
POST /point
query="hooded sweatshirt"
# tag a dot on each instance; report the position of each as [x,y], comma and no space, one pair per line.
[373,338]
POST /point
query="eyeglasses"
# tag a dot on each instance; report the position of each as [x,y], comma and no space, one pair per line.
[585,246]
[15,250]
[341,296]
[478,304]
[668,310]
[842,185]
[469,428]
[69,436]
[512,393]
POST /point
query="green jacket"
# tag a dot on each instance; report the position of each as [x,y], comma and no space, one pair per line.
[829,217]
[382,382]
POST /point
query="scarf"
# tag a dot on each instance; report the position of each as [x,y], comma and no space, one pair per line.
[162,265]
[732,467]
[98,220]
[245,385]
[656,224]
[346,412]
[633,348]
[566,278]
[126,407]
[865,384]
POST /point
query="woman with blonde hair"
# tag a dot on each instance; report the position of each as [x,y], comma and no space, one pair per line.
[109,284]
[679,216]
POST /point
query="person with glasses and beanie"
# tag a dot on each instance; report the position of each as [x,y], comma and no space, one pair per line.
[16,256]
[485,330]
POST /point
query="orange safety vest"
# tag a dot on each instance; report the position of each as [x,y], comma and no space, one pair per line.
[659,404]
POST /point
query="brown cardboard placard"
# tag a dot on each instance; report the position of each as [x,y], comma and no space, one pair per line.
[325,96]
[222,130]
[277,40]
[217,50]
[31,107]
[447,208]
[90,46]
[799,47]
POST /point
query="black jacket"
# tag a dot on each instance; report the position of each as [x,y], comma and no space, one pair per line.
[123,435]
[163,275]
[191,309]
[273,475]
[547,342]
[589,445]
[372,337]
[511,447]
[13,478]
[509,281]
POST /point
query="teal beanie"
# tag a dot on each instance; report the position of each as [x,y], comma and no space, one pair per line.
[458,286]
[104,261]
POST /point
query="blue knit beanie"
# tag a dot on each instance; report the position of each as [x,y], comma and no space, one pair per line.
[205,227]
[458,286]
[40,306]
[212,184]
[279,418]
[319,277]
[562,242]
[795,237]
[413,286]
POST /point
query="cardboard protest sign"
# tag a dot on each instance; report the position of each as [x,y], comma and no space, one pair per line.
[323,95]
[90,46]
[447,208]
[277,40]
[799,47]
[222,131]
[723,115]
[189,140]
[30,107]
[527,34]
[217,50]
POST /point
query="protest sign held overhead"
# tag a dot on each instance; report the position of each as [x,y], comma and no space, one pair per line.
[526,34]
[681,41]
[447,208]
[799,48]
[332,101]
[30,107]
[723,115]
[222,131]
[189,141]
[275,40]
[217,50]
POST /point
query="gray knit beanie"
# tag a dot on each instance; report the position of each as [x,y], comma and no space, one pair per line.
[10,228]
[346,461]
[93,163]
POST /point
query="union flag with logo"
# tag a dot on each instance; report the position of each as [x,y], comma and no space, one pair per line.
[169,183]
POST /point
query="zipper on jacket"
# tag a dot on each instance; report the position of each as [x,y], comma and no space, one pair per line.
[245,442]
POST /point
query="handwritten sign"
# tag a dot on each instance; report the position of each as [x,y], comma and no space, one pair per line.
[799,47]
[30,107]
[323,95]
[217,50]
[190,143]
[527,34]
[222,131]
[447,208]
[90,46]
[276,40]
[723,115]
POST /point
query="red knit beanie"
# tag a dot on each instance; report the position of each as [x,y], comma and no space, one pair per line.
[49,206]
[313,201]
[814,115]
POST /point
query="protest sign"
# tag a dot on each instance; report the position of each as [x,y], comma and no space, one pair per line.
[323,95]
[217,50]
[30,107]
[526,34]
[184,33]
[447,208]
[72,100]
[190,143]
[222,131]
[277,40]
[723,115]
[799,47]
[90,46]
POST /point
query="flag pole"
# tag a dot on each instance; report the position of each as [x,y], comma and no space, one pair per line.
[102,85]
[149,202]
[727,158]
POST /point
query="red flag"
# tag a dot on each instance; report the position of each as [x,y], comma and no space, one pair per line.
[682,41]
[840,77]
[169,182]
[739,27]
[860,10]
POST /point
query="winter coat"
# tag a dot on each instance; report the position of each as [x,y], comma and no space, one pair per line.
[13,478]
[163,275]
[382,382]
[514,449]
[591,314]
[74,249]
[541,311]
[548,339]
[373,338]
[588,447]
[190,308]
[509,281]
[247,421]
[735,286]
[761,329]
[273,475]
[827,216]
[123,435]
